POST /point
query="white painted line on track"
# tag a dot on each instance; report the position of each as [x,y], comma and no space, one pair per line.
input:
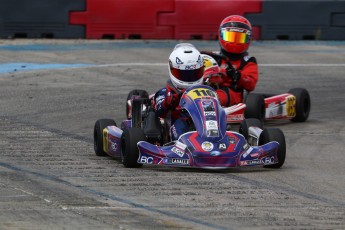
[305,65]
[269,65]
[27,193]
[87,66]
[165,64]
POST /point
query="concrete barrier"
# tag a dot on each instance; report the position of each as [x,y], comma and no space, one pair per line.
[301,20]
[39,19]
[170,19]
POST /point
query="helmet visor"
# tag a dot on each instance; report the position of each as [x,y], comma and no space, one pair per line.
[187,75]
[236,35]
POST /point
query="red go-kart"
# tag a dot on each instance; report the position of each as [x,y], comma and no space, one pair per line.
[293,105]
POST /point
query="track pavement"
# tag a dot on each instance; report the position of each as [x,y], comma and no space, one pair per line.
[52,92]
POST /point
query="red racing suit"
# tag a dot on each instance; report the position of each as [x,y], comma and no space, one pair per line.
[231,93]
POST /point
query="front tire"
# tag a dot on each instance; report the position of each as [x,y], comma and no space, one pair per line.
[274,134]
[302,104]
[98,135]
[130,152]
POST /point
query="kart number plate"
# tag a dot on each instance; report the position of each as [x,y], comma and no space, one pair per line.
[201,93]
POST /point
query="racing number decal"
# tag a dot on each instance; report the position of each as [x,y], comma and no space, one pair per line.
[291,106]
[201,92]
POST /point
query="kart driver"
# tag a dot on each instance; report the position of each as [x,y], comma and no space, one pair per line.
[241,70]
[186,69]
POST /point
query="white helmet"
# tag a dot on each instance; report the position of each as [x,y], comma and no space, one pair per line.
[186,66]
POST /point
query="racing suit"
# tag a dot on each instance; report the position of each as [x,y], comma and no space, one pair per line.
[243,76]
[166,103]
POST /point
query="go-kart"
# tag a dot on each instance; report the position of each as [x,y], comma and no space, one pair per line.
[293,105]
[143,139]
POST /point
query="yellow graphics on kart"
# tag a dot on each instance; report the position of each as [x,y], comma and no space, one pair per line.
[291,106]
[202,92]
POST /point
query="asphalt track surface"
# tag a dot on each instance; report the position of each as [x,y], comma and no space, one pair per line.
[53,91]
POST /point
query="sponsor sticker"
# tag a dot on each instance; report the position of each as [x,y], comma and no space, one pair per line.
[159,99]
[251,162]
[246,58]
[235,117]
[222,146]
[212,133]
[254,155]
[190,67]
[210,113]
[207,146]
[173,131]
[180,145]
[211,124]
[177,151]
[178,61]
[249,150]
[215,153]
[176,161]
[239,30]
[291,106]
[207,103]
[231,140]
[114,146]
[146,160]
[268,160]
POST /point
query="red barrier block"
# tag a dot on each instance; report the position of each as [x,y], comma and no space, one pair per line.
[134,19]
[200,19]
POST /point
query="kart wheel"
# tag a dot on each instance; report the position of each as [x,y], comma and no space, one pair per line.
[136,92]
[98,135]
[246,123]
[130,152]
[302,104]
[255,106]
[274,134]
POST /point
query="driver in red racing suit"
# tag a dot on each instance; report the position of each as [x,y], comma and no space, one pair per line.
[186,69]
[241,70]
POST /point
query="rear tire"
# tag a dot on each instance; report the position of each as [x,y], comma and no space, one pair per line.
[98,135]
[130,152]
[302,104]
[246,123]
[137,119]
[274,134]
[255,106]
[136,92]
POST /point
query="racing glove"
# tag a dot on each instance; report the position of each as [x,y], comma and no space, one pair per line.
[171,100]
[233,74]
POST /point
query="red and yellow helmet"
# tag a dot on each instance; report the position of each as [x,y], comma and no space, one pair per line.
[234,34]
